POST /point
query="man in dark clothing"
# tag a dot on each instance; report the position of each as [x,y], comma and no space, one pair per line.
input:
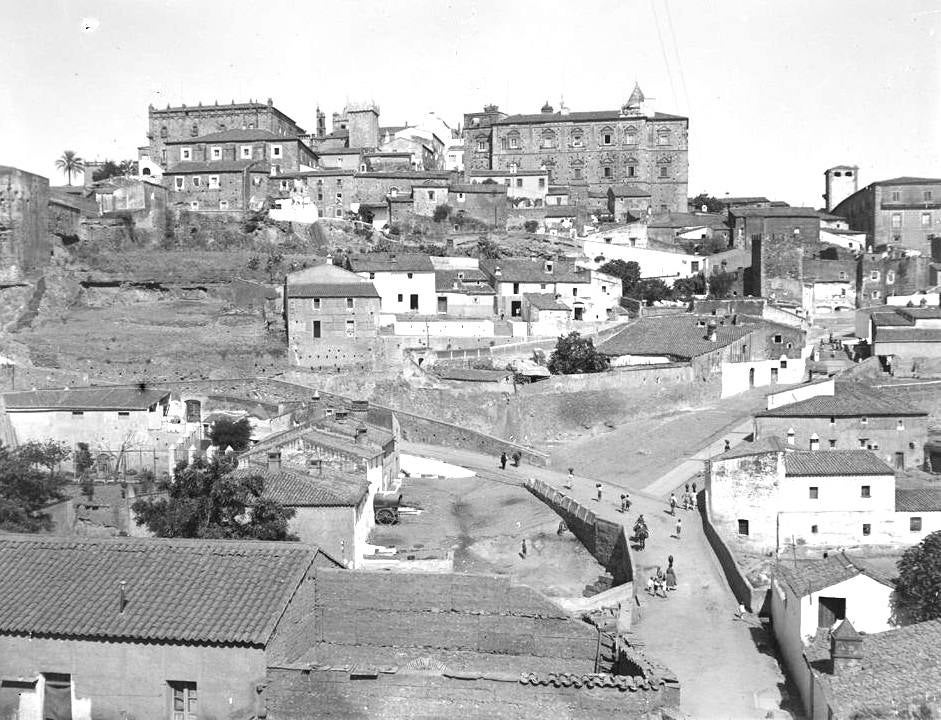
[503,461]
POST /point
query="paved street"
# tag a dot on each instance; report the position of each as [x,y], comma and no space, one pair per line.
[720,665]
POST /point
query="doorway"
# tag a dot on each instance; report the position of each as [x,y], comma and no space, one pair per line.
[579,312]
[774,375]
[900,460]
[751,377]
[413,302]
[443,305]
[516,308]
[830,610]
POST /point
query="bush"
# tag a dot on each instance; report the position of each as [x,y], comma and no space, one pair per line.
[531,226]
[574,354]
[442,213]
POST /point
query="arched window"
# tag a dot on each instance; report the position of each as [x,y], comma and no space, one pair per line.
[145,171]
[631,167]
[578,138]
[164,132]
[607,136]
[513,140]
[194,131]
[548,139]
[513,167]
[393,191]
[663,136]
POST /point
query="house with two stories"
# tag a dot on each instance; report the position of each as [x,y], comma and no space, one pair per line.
[405,282]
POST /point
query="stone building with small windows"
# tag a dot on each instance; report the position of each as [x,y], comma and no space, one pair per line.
[332,318]
[630,146]
[184,123]
[884,275]
[902,212]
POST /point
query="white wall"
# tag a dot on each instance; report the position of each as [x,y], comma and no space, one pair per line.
[464,327]
[630,235]
[390,285]
[294,211]
[804,392]
[465,305]
[856,241]
[736,376]
[845,528]
[836,493]
[867,605]
[100,429]
[653,263]
[932,299]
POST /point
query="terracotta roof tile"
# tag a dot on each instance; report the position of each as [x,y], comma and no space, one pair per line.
[917,499]
[92,398]
[826,463]
[328,487]
[545,301]
[390,262]
[850,400]
[809,576]
[194,591]
[526,270]
[333,290]
[678,337]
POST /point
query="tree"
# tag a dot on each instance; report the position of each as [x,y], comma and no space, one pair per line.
[628,271]
[83,463]
[108,169]
[365,215]
[70,163]
[531,226]
[49,454]
[204,500]
[687,287]
[24,490]
[574,354]
[442,213]
[713,205]
[720,284]
[487,249]
[651,290]
[226,432]
[917,595]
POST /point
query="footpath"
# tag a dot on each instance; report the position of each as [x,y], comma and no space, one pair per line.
[725,672]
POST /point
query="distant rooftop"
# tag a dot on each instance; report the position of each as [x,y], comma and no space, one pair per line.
[390,262]
[678,337]
[826,463]
[86,398]
[805,577]
[236,135]
[849,400]
[326,486]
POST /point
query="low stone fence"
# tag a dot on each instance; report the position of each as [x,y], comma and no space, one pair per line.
[606,541]
[751,597]
[614,379]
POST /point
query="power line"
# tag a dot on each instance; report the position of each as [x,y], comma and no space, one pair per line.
[676,52]
[666,62]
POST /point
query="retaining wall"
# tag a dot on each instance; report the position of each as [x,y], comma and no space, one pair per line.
[637,376]
[605,540]
[749,596]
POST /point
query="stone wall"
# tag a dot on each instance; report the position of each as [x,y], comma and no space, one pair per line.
[606,541]
[25,244]
[777,268]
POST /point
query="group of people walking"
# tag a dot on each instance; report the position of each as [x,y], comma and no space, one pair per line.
[660,583]
[689,499]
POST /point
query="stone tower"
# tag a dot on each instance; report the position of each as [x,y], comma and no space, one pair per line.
[841,182]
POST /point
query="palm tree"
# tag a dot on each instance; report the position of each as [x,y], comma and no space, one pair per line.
[70,163]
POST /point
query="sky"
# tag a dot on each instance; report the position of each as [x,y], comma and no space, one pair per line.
[776,91]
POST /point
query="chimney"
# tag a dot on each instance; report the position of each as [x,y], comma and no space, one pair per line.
[497,272]
[548,266]
[317,464]
[274,460]
[340,415]
[122,596]
[814,442]
[360,436]
[711,332]
[846,649]
[790,436]
[359,409]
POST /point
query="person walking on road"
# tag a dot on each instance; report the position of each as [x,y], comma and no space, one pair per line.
[672,504]
[598,488]
[517,456]
[728,446]
[523,552]
[503,461]
[570,479]
[679,527]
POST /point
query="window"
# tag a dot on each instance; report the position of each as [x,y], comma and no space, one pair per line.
[630,137]
[276,151]
[607,172]
[245,152]
[194,130]
[577,139]
[664,171]
[349,303]
[876,294]
[178,182]
[813,529]
[926,219]
[663,137]
[896,220]
[577,173]
[481,145]
[316,303]
[506,181]
[316,328]
[914,524]
[542,182]
[460,197]
[197,181]
[399,298]
[742,527]
[778,338]
[890,276]
[631,171]
[223,204]
[814,492]
[832,444]
[372,276]
[607,139]
[926,195]
[194,205]
[519,182]
[338,212]
[865,491]
[574,292]
[896,196]
[216,152]
[339,196]
[863,421]
[214,182]
[548,139]
[513,141]
[410,275]
[900,425]
[867,529]
[784,364]
[78,412]
[350,328]
[164,132]
[863,442]
[842,275]
[833,419]
[123,413]
[183,700]
[186,153]
[431,194]
[694,266]
[516,288]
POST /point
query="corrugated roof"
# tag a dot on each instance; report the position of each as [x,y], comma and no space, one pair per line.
[679,337]
[93,398]
[545,301]
[918,499]
[850,400]
[326,487]
[330,290]
[390,262]
[826,463]
[193,591]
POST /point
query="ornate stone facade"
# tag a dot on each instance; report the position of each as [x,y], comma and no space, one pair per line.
[630,146]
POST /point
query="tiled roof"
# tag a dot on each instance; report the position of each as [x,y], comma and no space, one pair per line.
[507,173]
[192,591]
[890,318]
[557,190]
[197,109]
[326,487]
[545,301]
[775,212]
[407,174]
[586,116]
[390,262]
[235,135]
[526,270]
[333,290]
[318,172]
[907,180]
[907,334]
[805,577]
[687,220]
[94,398]
[748,449]
[678,337]
[920,313]
[219,166]
[826,463]
[899,667]
[850,400]
[732,201]
[629,191]
[918,500]
[474,282]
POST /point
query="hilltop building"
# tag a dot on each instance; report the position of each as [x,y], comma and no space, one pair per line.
[630,146]
[841,182]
